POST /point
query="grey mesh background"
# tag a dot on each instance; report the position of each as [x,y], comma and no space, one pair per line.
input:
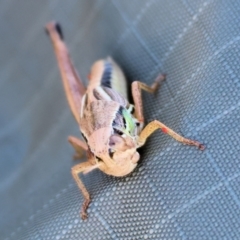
[177,192]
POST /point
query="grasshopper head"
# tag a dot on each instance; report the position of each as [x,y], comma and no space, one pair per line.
[117,154]
[122,149]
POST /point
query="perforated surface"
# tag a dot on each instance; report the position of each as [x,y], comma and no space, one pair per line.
[177,192]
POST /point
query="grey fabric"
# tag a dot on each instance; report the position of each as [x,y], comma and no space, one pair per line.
[177,192]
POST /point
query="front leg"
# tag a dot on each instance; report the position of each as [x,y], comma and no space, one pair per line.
[137,95]
[84,167]
[154,125]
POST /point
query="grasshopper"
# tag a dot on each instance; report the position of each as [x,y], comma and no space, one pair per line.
[112,128]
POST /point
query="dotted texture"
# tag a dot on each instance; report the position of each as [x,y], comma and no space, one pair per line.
[176,192]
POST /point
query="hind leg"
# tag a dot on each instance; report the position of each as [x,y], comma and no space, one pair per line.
[79,146]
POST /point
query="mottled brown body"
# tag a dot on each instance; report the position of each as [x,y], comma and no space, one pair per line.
[111,127]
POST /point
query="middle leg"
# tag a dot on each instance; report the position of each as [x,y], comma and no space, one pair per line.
[137,86]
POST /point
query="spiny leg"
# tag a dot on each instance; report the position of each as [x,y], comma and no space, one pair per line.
[72,83]
[79,146]
[82,167]
[137,86]
[154,125]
